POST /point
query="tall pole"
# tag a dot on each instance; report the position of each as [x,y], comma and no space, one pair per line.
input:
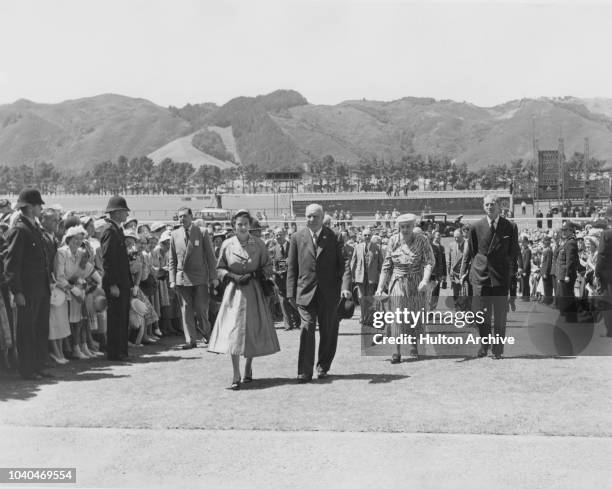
[586,168]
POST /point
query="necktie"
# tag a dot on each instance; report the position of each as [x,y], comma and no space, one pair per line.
[315,236]
[492,228]
[186,236]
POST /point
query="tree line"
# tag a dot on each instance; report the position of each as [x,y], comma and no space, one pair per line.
[141,176]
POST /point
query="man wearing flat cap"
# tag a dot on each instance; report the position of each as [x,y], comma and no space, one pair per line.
[26,269]
[603,270]
[117,279]
[492,249]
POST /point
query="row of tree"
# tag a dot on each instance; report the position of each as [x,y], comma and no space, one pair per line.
[142,176]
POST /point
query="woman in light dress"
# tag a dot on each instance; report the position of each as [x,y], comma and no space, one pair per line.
[406,273]
[244,324]
[74,274]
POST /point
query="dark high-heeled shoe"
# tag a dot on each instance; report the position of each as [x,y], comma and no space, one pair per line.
[235,385]
[395,358]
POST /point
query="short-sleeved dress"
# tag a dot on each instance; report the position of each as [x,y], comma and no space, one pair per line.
[244,325]
[402,270]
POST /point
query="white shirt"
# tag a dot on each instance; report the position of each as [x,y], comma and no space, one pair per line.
[496,222]
[315,235]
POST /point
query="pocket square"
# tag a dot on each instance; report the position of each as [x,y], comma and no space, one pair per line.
[506,237]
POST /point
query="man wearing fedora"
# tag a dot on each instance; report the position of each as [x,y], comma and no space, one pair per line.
[27,272]
[492,249]
[192,270]
[116,279]
[317,276]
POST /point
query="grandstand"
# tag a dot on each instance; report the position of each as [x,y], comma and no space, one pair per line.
[454,202]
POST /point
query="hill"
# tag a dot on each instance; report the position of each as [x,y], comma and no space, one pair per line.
[282,130]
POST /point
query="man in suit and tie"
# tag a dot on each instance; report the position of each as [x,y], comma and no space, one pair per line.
[439,270]
[366,264]
[456,252]
[492,247]
[192,270]
[567,272]
[603,271]
[526,274]
[317,276]
[27,274]
[116,279]
[280,254]
[546,270]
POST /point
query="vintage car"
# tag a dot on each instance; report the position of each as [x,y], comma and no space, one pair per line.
[440,221]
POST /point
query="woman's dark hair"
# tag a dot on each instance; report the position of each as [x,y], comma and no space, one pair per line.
[242,214]
[71,221]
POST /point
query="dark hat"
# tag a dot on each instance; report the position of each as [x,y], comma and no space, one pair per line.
[116,203]
[346,309]
[29,196]
[220,234]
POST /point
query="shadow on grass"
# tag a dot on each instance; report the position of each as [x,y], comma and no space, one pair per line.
[12,386]
[268,383]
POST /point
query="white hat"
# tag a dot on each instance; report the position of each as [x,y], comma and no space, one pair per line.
[73,231]
[165,236]
[158,226]
[130,233]
[406,218]
[99,224]
[138,307]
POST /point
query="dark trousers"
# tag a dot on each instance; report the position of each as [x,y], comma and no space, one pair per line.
[290,314]
[435,294]
[33,334]
[513,286]
[548,289]
[324,311]
[567,300]
[365,290]
[118,318]
[525,286]
[487,299]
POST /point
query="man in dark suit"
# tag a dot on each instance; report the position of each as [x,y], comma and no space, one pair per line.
[439,270]
[280,254]
[603,271]
[456,252]
[567,272]
[526,274]
[366,263]
[492,247]
[317,275]
[117,279]
[546,270]
[27,273]
[193,270]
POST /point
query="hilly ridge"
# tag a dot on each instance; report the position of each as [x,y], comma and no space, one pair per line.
[281,130]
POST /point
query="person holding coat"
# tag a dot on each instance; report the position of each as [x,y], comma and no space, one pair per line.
[317,276]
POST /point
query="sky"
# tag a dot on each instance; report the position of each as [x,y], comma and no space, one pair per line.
[174,52]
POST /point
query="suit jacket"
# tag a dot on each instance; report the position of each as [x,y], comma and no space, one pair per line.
[191,262]
[51,245]
[325,270]
[115,261]
[567,260]
[490,257]
[455,259]
[358,266]
[547,259]
[439,269]
[280,253]
[526,258]
[603,266]
[26,267]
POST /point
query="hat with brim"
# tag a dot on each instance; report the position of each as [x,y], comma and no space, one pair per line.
[74,231]
[406,218]
[165,237]
[58,297]
[116,203]
[346,308]
[29,196]
[158,226]
[131,234]
[138,306]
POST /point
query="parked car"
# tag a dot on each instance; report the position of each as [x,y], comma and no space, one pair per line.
[440,219]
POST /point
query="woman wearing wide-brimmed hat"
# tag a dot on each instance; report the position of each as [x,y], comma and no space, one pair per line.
[406,273]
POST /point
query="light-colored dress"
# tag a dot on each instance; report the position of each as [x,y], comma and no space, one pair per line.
[402,271]
[136,268]
[244,325]
[68,274]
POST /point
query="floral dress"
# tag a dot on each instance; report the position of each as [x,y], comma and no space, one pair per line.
[401,273]
[244,324]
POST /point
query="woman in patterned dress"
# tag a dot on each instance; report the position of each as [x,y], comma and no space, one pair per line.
[244,324]
[406,272]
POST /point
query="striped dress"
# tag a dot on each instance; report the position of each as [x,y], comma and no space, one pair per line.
[401,273]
